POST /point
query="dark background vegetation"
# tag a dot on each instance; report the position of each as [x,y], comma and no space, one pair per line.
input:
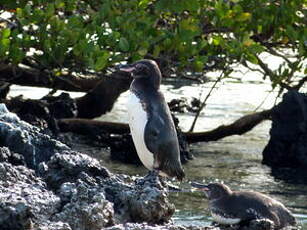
[74,45]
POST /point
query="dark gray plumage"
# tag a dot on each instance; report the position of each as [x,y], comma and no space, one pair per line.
[226,205]
[153,133]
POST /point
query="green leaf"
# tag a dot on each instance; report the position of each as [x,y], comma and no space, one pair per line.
[252,58]
[50,10]
[101,61]
[5,42]
[6,33]
[216,40]
[243,17]
[143,3]
[4,47]
[59,4]
[16,54]
[142,51]
[198,66]
[123,44]
[19,12]
[156,51]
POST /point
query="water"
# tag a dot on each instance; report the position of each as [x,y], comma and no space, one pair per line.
[236,160]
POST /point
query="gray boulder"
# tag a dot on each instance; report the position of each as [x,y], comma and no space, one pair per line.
[24,198]
[87,209]
[27,140]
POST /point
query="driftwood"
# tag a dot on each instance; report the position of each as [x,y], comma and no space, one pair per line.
[101,92]
[82,125]
[239,127]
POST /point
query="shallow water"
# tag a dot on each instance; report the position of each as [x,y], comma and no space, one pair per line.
[236,160]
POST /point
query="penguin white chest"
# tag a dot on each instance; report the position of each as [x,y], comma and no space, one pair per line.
[137,122]
[224,220]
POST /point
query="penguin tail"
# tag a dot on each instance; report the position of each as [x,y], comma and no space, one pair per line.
[172,169]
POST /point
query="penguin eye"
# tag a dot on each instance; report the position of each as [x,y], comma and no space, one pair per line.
[154,133]
[141,68]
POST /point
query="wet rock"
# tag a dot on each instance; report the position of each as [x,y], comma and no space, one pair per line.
[87,210]
[80,180]
[25,200]
[53,226]
[69,167]
[10,157]
[43,112]
[4,89]
[35,112]
[182,105]
[290,175]
[27,140]
[144,200]
[185,152]
[257,224]
[195,105]
[287,146]
[123,149]
[178,105]
[62,106]
[144,226]
[261,224]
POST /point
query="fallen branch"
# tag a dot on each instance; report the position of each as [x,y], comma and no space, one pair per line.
[239,127]
[81,126]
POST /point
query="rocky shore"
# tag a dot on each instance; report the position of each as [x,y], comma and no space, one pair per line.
[45,185]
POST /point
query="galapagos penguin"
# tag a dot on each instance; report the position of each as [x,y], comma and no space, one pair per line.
[233,207]
[152,128]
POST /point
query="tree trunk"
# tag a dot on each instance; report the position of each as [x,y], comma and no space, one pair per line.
[102,98]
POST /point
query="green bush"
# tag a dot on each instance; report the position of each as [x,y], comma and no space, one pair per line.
[92,35]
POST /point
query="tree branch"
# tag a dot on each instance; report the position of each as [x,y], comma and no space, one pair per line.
[27,76]
[239,127]
[82,125]
[300,83]
[203,104]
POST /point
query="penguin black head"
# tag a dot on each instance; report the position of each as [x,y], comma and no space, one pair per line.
[145,70]
[213,190]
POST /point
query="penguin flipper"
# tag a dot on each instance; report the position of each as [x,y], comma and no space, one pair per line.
[164,146]
[152,135]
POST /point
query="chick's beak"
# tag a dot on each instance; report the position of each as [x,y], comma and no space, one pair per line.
[125,68]
[201,187]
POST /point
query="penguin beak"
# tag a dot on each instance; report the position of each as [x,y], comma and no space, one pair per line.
[126,68]
[202,187]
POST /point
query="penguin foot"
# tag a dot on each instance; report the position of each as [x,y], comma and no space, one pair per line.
[152,177]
